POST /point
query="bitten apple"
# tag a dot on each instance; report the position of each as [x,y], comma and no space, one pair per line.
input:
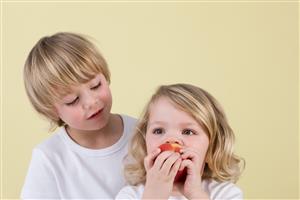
[181,174]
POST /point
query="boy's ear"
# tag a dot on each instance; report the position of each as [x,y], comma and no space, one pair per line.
[55,112]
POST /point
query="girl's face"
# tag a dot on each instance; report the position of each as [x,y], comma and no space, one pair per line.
[88,106]
[169,124]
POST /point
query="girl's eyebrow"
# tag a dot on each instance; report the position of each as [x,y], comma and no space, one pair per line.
[157,123]
[183,124]
[189,124]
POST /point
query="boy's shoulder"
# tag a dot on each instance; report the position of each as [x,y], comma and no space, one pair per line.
[52,144]
[129,123]
[128,119]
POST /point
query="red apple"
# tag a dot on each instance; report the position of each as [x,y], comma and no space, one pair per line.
[181,174]
[170,147]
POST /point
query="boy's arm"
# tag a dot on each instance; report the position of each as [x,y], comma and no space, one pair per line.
[40,180]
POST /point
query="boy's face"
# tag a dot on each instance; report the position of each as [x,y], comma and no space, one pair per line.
[88,106]
[169,124]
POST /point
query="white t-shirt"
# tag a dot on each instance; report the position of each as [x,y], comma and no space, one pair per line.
[60,168]
[216,190]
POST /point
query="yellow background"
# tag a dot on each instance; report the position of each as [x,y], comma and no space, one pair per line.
[244,53]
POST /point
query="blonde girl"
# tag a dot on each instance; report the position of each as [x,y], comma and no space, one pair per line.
[190,117]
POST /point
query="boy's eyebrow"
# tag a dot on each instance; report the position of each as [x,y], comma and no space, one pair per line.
[96,79]
[69,97]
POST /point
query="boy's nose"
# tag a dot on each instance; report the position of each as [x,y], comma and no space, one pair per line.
[89,102]
[87,106]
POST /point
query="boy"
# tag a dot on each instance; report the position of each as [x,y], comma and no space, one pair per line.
[67,81]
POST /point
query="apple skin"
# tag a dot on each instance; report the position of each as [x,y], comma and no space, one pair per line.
[170,147]
[181,174]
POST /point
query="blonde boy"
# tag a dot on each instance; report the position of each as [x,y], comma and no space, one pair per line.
[67,81]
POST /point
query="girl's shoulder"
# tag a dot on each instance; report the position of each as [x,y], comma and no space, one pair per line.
[131,192]
[222,190]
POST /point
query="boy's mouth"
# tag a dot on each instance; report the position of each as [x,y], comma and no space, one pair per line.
[96,114]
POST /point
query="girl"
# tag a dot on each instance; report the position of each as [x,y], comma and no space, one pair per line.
[67,82]
[191,118]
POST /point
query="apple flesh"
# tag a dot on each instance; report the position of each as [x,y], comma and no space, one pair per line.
[181,174]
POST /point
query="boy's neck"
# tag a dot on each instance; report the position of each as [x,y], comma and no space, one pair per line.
[99,139]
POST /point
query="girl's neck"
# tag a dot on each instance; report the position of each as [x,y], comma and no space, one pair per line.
[98,139]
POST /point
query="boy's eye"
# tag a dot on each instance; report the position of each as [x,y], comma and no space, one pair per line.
[96,86]
[72,102]
[157,131]
[188,132]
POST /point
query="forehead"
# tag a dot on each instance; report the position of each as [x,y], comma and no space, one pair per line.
[71,87]
[165,110]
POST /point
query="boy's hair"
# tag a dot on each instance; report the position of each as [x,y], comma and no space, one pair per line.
[54,64]
[221,163]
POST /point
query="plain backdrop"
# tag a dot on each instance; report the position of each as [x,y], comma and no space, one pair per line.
[244,53]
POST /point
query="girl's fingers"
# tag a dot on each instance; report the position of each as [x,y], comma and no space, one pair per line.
[169,162]
[175,168]
[191,155]
[149,159]
[161,158]
[186,164]
[189,151]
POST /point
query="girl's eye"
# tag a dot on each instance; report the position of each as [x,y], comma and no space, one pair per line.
[157,131]
[73,102]
[188,132]
[96,86]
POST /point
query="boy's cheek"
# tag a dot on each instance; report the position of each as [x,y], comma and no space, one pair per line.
[77,116]
[106,96]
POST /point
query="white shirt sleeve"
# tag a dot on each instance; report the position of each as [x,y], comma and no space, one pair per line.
[130,192]
[40,180]
[225,191]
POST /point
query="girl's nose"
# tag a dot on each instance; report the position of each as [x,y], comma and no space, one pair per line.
[175,140]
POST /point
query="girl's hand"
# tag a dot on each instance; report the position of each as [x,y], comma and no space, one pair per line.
[194,163]
[161,170]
